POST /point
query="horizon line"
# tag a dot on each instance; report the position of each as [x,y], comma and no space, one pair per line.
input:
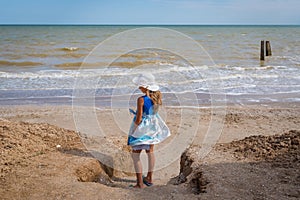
[138,24]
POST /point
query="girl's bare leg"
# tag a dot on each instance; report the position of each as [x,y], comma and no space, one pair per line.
[138,168]
[151,163]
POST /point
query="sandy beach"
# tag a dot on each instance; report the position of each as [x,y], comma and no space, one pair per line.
[225,75]
[43,157]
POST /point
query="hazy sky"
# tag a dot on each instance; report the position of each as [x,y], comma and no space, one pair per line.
[150,12]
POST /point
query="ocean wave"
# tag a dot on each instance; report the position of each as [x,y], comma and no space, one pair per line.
[84,73]
[130,64]
[90,69]
[117,64]
[170,76]
[69,48]
[52,55]
[37,55]
[74,65]
[137,56]
[292,59]
[21,64]
[250,68]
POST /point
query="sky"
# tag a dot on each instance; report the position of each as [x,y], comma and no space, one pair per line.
[150,12]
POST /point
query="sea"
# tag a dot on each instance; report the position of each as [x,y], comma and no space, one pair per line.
[45,64]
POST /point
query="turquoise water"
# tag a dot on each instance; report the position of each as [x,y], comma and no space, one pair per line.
[41,62]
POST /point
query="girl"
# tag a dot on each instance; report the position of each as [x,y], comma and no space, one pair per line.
[147,128]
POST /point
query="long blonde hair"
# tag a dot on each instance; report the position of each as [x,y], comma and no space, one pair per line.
[156,98]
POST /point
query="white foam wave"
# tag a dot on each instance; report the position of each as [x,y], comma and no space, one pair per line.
[113,71]
[70,48]
[171,76]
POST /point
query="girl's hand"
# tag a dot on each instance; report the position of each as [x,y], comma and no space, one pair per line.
[132,111]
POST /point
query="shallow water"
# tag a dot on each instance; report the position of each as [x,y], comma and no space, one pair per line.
[39,64]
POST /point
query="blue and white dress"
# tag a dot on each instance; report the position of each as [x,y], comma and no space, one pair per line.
[151,130]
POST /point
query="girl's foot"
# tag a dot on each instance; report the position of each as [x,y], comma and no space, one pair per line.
[146,182]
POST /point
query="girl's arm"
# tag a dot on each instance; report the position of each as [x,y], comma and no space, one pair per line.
[139,112]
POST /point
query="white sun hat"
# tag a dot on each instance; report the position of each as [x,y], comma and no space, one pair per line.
[146,80]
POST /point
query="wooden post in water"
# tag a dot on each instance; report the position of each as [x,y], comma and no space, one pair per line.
[262,50]
[268,49]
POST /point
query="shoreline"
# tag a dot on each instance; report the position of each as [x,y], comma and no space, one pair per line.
[170,99]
